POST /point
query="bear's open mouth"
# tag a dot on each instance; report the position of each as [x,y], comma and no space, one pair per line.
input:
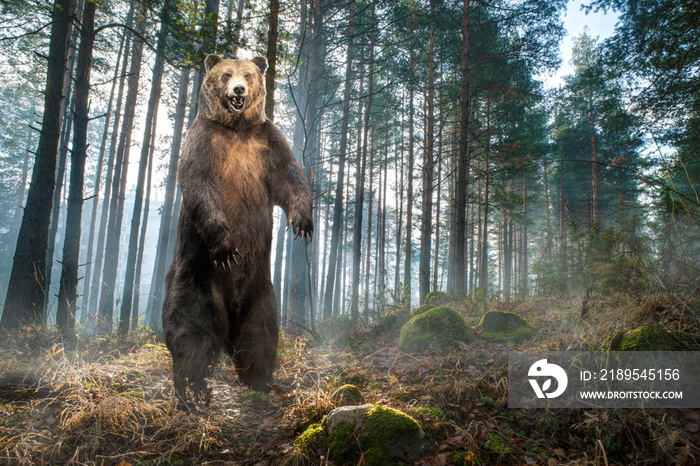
[236,103]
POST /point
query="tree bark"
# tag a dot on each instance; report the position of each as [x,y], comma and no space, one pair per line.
[408,257]
[463,159]
[271,59]
[142,236]
[24,302]
[68,289]
[484,268]
[342,156]
[67,112]
[428,175]
[360,186]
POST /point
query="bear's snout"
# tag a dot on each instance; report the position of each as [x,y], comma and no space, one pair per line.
[236,94]
[236,88]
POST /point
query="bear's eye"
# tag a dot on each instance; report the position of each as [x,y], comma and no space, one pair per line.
[227,75]
[247,75]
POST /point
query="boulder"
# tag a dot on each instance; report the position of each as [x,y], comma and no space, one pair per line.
[645,338]
[506,327]
[347,395]
[382,435]
[437,328]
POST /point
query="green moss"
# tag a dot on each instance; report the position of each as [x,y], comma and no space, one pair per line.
[347,395]
[647,339]
[313,434]
[341,447]
[506,327]
[382,426]
[381,436]
[438,328]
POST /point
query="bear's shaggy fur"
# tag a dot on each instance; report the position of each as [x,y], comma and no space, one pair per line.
[235,166]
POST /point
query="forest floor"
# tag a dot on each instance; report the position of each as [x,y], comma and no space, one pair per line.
[110,402]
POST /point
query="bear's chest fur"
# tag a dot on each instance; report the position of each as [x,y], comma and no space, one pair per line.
[244,177]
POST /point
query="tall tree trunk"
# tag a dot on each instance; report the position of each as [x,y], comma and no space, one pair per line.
[408,251]
[338,207]
[306,133]
[98,177]
[562,210]
[153,100]
[437,227]
[272,59]
[155,300]
[238,25]
[545,178]
[398,294]
[360,185]
[68,290]
[381,230]
[370,203]
[142,236]
[484,269]
[463,160]
[208,30]
[594,160]
[523,247]
[428,174]
[116,208]
[507,255]
[67,112]
[24,302]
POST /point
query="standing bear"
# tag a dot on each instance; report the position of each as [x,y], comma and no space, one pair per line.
[235,166]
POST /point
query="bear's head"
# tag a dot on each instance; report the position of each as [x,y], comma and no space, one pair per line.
[233,91]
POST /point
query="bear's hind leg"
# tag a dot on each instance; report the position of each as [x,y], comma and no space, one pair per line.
[256,345]
[193,359]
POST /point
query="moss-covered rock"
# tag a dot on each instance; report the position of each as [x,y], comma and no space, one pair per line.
[646,338]
[505,327]
[437,328]
[347,395]
[384,436]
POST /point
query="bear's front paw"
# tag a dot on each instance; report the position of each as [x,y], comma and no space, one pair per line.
[224,255]
[303,225]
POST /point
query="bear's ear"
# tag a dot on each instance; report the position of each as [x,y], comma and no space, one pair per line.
[261,62]
[210,61]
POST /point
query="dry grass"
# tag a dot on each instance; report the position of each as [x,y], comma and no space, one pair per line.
[103,403]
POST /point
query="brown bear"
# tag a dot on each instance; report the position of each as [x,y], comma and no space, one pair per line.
[235,166]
